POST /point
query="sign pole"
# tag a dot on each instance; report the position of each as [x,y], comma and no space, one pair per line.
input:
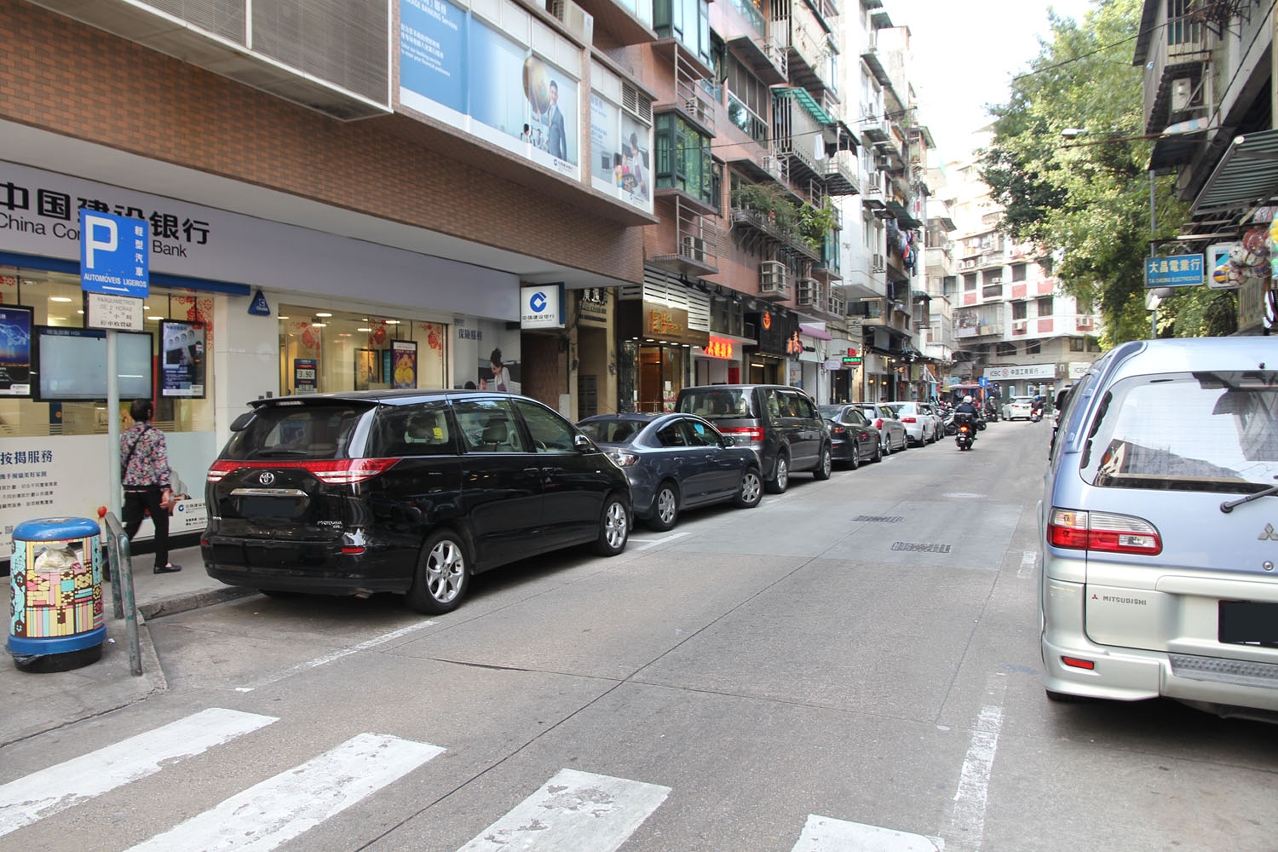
[115,275]
[113,422]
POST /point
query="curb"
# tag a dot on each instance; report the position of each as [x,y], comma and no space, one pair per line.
[192,600]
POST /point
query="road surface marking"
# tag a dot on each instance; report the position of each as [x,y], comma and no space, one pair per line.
[1029,559]
[57,788]
[574,810]
[275,811]
[337,655]
[822,834]
[967,819]
[653,542]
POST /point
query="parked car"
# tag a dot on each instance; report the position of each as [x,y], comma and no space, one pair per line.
[891,431]
[778,422]
[1157,528]
[852,436]
[676,462]
[403,491]
[1018,408]
[921,426]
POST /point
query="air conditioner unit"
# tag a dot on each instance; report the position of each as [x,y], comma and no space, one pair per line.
[695,248]
[1085,323]
[883,162]
[1182,94]
[878,263]
[773,279]
[576,20]
[807,292]
[1018,326]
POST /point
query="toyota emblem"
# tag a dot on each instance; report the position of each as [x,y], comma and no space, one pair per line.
[267,478]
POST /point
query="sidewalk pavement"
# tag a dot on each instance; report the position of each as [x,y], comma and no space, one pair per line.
[32,703]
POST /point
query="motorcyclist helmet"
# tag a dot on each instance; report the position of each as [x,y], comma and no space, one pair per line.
[967,399]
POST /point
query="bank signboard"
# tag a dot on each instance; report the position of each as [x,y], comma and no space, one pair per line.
[1030,371]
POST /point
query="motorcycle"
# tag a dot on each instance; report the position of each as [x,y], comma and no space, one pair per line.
[1036,415]
[965,431]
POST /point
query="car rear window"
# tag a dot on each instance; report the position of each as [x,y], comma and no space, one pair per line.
[717,402]
[297,432]
[413,430]
[1186,432]
[613,431]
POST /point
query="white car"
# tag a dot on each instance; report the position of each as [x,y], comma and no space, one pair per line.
[1020,406]
[921,426]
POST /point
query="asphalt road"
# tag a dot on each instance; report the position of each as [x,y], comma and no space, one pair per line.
[853,665]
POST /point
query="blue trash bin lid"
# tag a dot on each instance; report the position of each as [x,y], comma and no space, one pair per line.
[55,529]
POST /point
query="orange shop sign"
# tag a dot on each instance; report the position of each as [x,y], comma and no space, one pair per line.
[718,347]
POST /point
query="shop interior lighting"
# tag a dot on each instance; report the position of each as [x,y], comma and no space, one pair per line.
[322,314]
[156,318]
[363,329]
[59,298]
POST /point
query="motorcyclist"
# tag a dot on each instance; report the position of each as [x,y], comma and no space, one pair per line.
[1036,405]
[966,411]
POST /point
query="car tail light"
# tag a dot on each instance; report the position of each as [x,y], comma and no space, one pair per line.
[623,458]
[331,471]
[1078,664]
[1102,531]
[878,424]
[837,430]
[746,434]
[908,420]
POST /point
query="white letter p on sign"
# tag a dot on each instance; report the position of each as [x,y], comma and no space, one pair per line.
[93,226]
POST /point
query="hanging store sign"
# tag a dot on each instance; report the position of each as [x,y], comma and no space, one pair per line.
[651,322]
[541,306]
[1185,270]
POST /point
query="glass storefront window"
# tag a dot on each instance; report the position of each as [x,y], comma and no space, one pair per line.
[661,372]
[56,299]
[323,350]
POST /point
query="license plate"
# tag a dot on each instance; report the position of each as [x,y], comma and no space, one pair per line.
[270,507]
[1248,623]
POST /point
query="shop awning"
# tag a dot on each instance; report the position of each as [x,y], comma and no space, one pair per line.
[814,332]
[1245,176]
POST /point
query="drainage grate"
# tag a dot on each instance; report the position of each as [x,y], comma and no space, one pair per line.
[877,519]
[917,547]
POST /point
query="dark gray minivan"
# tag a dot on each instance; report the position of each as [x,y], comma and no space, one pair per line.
[778,422]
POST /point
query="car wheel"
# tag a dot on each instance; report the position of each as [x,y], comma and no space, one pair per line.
[665,508]
[885,445]
[824,465]
[855,461]
[442,576]
[780,474]
[878,451]
[751,490]
[614,527]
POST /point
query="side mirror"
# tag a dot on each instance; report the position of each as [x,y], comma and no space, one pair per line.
[583,444]
[729,441]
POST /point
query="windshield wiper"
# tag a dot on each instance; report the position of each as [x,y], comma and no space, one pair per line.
[1228,505]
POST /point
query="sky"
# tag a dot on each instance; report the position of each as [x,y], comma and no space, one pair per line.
[965,53]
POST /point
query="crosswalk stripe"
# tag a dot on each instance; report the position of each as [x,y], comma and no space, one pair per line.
[574,810]
[822,834]
[280,808]
[57,788]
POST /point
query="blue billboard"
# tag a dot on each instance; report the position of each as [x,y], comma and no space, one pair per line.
[1182,270]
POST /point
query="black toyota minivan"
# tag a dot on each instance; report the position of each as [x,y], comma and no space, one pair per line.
[403,491]
[779,422]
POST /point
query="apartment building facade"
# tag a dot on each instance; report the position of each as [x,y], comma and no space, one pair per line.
[1013,325]
[1210,101]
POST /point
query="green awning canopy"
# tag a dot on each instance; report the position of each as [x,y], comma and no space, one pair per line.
[804,97]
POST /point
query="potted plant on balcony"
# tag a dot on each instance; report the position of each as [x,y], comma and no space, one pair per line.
[816,224]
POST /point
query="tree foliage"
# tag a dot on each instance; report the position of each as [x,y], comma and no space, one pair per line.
[1085,200]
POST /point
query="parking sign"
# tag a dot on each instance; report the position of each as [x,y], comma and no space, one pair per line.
[114,255]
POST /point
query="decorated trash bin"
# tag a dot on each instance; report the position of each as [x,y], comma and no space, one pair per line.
[56,617]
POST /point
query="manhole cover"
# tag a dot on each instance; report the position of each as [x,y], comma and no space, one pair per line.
[964,495]
[919,547]
[877,519]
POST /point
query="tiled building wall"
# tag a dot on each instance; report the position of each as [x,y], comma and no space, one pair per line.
[63,76]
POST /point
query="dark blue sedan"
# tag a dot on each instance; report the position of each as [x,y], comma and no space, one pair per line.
[676,462]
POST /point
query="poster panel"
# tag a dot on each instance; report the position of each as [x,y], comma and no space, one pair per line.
[404,360]
[182,363]
[15,352]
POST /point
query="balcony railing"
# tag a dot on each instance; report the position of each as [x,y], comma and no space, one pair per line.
[748,120]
